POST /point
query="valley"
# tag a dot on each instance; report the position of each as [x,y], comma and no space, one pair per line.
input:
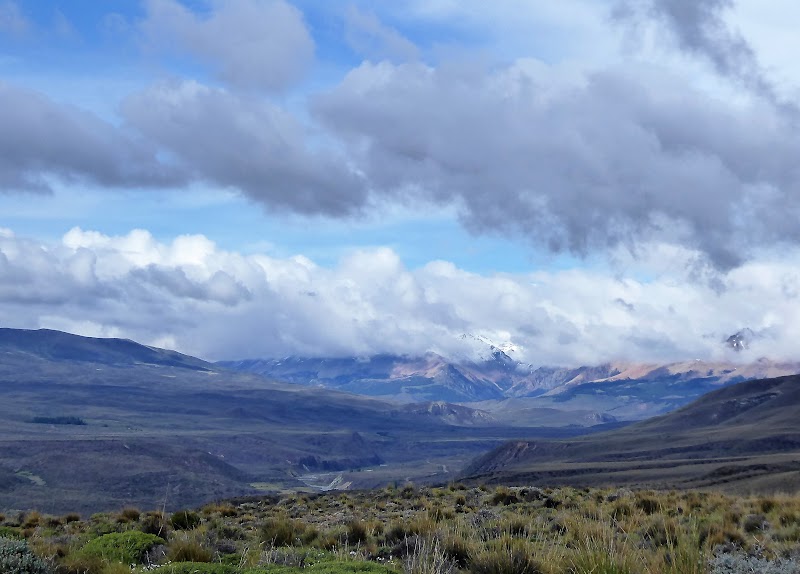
[164,429]
[90,424]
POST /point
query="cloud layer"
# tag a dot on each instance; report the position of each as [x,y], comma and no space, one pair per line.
[674,165]
[579,160]
[190,295]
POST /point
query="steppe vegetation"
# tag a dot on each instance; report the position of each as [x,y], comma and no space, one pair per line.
[407,529]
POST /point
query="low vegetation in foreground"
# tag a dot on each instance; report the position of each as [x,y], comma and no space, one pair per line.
[452,529]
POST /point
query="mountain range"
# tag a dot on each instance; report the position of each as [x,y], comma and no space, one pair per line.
[511,390]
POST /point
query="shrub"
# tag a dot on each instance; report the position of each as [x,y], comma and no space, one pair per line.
[194,568]
[186,548]
[282,531]
[127,547]
[504,495]
[80,563]
[17,558]
[10,532]
[755,523]
[71,517]
[184,520]
[743,564]
[129,515]
[32,519]
[356,532]
[648,505]
[509,557]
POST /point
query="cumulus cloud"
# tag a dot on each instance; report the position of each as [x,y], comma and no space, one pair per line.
[575,161]
[371,38]
[623,156]
[251,44]
[42,139]
[248,144]
[191,295]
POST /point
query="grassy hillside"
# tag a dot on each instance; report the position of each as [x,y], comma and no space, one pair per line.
[420,530]
[741,438]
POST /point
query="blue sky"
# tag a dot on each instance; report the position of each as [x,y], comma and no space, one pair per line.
[587,180]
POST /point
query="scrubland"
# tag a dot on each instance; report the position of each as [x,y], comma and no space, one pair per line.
[422,530]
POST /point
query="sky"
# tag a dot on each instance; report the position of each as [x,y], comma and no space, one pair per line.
[584,180]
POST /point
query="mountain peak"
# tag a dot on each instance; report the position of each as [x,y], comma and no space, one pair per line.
[740,340]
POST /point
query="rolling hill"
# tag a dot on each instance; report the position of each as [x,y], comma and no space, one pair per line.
[741,438]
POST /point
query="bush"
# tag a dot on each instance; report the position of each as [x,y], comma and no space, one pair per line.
[17,558]
[742,564]
[129,514]
[508,558]
[282,531]
[127,547]
[184,520]
[356,532]
[194,568]
[186,548]
[755,523]
[10,532]
[154,523]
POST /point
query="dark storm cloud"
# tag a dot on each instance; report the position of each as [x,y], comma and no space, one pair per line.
[40,138]
[627,155]
[247,144]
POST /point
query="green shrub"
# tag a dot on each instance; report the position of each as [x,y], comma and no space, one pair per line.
[186,548]
[342,568]
[194,568]
[129,514]
[356,532]
[154,523]
[10,532]
[127,547]
[17,558]
[184,520]
[80,563]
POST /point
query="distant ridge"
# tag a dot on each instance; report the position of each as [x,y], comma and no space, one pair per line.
[60,346]
[743,437]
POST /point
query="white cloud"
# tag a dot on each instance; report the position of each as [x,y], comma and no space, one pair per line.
[191,295]
[251,44]
[374,40]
